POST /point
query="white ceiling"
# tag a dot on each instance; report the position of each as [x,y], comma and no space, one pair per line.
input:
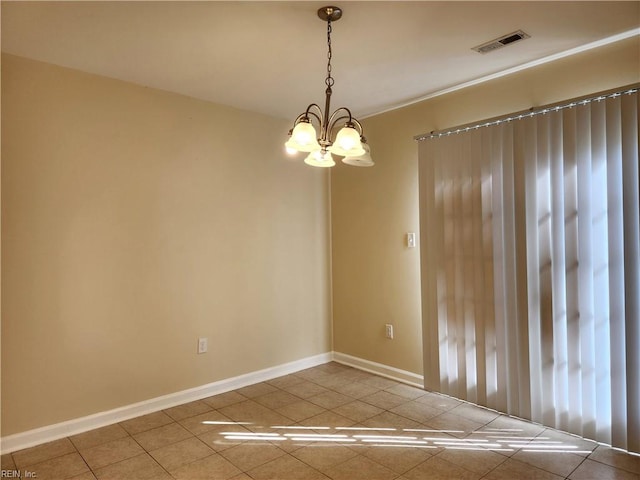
[270,57]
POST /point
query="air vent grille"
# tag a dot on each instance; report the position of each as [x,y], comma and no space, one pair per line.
[501,42]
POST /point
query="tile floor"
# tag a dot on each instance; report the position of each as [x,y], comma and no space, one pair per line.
[329,421]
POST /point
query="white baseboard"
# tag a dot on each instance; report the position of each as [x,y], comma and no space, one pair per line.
[393,373]
[30,438]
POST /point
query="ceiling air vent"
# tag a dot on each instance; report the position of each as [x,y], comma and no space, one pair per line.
[501,42]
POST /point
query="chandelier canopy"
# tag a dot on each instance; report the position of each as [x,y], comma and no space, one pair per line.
[349,142]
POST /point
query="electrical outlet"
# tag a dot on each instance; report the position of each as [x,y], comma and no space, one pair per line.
[388,331]
[202,345]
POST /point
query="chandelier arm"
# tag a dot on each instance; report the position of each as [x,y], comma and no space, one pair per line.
[299,118]
[335,119]
[359,125]
[308,110]
[316,116]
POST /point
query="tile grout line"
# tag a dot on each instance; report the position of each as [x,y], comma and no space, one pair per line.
[149,454]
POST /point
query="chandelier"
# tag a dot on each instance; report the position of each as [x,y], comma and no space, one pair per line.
[349,141]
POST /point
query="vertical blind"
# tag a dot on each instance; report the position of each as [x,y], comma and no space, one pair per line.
[530,240]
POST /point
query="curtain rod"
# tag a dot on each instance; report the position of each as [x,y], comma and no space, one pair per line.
[532,112]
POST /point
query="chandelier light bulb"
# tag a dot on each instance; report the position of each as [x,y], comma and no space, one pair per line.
[360,160]
[303,138]
[347,143]
[320,159]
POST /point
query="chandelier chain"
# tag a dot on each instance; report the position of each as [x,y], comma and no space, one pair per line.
[329,80]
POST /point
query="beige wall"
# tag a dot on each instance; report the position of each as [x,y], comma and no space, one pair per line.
[135,221]
[376,279]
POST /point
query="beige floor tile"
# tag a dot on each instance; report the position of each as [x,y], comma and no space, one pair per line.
[479,461]
[285,381]
[305,389]
[224,399]
[247,411]
[7,462]
[384,400]
[276,399]
[417,411]
[33,455]
[182,453]
[358,411]
[327,419]
[569,440]
[334,368]
[254,414]
[313,374]
[356,375]
[58,468]
[291,446]
[146,422]
[139,467]
[98,436]
[399,459]
[242,476]
[512,469]
[360,468]
[332,381]
[324,457]
[286,467]
[248,456]
[616,458]
[591,470]
[390,420]
[356,389]
[269,421]
[256,390]
[380,382]
[475,413]
[443,402]
[407,391]
[559,463]
[455,425]
[162,436]
[512,426]
[300,410]
[213,467]
[111,452]
[206,422]
[438,469]
[215,439]
[330,400]
[187,410]
[84,476]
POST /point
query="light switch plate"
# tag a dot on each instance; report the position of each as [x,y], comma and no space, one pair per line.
[202,345]
[411,240]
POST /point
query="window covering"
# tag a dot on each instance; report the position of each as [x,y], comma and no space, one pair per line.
[530,241]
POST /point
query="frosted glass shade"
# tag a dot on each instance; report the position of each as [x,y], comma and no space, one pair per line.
[347,143]
[303,138]
[319,159]
[363,160]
